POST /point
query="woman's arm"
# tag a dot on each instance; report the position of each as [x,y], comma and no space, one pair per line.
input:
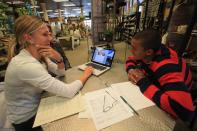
[56,68]
[38,77]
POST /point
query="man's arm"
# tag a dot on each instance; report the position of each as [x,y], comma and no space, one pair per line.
[130,63]
[173,96]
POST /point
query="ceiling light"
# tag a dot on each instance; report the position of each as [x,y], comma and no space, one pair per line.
[60,10]
[35,6]
[15,2]
[59,0]
[66,13]
[49,10]
[51,15]
[70,4]
[86,18]
[55,13]
[76,9]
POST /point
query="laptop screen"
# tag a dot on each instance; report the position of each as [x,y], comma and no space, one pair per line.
[103,56]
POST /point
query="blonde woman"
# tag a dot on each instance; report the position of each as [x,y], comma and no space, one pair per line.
[27,73]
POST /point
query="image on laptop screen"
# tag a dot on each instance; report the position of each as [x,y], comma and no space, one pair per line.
[103,56]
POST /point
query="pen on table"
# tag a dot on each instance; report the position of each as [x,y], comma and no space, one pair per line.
[130,106]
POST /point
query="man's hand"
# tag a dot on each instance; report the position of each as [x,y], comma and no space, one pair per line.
[135,75]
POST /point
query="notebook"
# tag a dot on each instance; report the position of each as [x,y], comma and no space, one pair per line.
[101,60]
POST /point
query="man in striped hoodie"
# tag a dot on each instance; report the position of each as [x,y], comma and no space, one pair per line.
[160,74]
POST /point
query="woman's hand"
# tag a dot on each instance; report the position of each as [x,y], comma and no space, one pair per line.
[135,75]
[87,73]
[47,51]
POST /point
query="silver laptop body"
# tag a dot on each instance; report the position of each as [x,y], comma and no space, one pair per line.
[101,60]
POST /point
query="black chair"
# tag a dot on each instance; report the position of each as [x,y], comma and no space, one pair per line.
[194,118]
[194,98]
[58,48]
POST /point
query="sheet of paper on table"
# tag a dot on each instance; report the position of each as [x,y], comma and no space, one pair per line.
[55,107]
[106,108]
[86,113]
[132,94]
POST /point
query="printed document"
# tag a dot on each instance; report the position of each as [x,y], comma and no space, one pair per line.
[55,107]
[106,108]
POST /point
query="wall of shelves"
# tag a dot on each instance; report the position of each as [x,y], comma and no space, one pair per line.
[180,26]
[105,21]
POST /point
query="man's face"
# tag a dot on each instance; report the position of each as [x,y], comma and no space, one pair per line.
[137,49]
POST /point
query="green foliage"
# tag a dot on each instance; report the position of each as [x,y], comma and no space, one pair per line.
[108,32]
[22,11]
[3,5]
[3,9]
[82,18]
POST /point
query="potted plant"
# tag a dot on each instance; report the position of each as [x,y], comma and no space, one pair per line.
[108,34]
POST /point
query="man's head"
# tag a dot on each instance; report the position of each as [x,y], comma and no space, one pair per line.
[144,44]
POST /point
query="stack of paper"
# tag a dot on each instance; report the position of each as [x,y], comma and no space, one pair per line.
[54,108]
[107,108]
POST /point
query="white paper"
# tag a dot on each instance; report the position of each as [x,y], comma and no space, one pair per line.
[54,108]
[86,113]
[132,94]
[117,112]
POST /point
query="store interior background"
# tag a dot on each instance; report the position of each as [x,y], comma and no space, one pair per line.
[80,25]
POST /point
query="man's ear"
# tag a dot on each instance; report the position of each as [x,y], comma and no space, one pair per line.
[149,52]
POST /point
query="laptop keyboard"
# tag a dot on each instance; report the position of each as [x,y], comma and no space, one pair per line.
[98,67]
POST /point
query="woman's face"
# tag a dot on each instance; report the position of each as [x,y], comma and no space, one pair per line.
[42,36]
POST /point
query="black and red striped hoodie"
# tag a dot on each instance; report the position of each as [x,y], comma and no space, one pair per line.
[167,83]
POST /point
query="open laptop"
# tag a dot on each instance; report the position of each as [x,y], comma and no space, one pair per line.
[101,60]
